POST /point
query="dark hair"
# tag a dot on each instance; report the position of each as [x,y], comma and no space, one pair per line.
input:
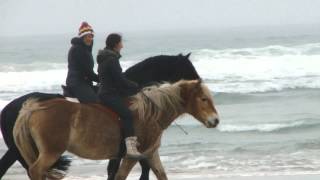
[112,40]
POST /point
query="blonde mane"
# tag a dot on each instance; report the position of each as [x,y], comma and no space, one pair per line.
[152,101]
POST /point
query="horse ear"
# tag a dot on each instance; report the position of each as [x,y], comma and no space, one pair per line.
[197,85]
[180,54]
[188,55]
[190,88]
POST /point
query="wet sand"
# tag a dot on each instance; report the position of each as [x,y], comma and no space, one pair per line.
[98,172]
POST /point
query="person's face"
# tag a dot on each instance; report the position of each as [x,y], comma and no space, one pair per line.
[88,39]
[118,47]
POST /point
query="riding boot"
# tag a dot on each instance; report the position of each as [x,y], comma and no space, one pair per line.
[132,151]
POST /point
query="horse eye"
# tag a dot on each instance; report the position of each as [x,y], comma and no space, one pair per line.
[204,99]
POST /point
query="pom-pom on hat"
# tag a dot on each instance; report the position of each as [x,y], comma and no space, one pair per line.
[85,29]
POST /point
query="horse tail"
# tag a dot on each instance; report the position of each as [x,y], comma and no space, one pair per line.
[3,124]
[26,144]
[60,168]
[22,134]
[1,128]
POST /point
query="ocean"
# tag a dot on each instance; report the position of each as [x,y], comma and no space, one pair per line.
[265,84]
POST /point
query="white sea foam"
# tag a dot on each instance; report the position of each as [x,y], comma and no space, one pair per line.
[31,80]
[261,127]
[272,68]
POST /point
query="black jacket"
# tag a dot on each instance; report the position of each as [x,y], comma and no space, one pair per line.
[112,80]
[80,64]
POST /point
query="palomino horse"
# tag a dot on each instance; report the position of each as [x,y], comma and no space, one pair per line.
[44,130]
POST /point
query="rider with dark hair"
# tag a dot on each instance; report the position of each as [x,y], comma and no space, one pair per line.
[80,66]
[114,87]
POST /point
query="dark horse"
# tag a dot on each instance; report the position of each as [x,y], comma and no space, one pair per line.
[151,70]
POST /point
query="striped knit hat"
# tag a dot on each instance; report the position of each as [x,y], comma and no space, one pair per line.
[85,29]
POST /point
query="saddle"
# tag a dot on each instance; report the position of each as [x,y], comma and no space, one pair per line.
[66,92]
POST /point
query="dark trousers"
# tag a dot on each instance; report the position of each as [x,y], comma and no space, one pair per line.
[84,92]
[117,104]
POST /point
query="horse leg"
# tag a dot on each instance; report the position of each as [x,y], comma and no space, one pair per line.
[145,169]
[6,161]
[41,166]
[23,163]
[113,167]
[9,158]
[114,164]
[125,168]
[17,156]
[156,166]
[21,160]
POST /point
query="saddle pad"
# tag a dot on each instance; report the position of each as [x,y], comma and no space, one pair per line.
[75,100]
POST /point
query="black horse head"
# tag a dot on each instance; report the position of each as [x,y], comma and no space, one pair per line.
[162,68]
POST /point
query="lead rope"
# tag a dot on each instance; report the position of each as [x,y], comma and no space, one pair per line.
[179,126]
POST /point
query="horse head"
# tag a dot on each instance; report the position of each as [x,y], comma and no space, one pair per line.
[198,102]
[186,69]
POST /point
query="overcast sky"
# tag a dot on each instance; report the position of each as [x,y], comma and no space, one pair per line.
[20,17]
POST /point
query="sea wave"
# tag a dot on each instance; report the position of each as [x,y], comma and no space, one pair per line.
[32,80]
[271,68]
[260,86]
[32,66]
[251,165]
[267,51]
[270,127]
[225,80]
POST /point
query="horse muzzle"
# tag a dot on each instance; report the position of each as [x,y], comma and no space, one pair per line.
[212,122]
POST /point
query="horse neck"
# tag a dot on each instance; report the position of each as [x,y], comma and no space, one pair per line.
[169,116]
[190,71]
[166,120]
[161,106]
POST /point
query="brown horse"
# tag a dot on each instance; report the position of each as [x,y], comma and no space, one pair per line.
[45,130]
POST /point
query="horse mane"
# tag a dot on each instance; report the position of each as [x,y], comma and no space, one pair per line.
[150,102]
[160,57]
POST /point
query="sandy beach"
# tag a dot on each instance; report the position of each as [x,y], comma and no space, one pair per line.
[97,172]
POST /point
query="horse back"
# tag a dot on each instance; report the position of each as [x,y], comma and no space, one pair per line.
[79,112]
